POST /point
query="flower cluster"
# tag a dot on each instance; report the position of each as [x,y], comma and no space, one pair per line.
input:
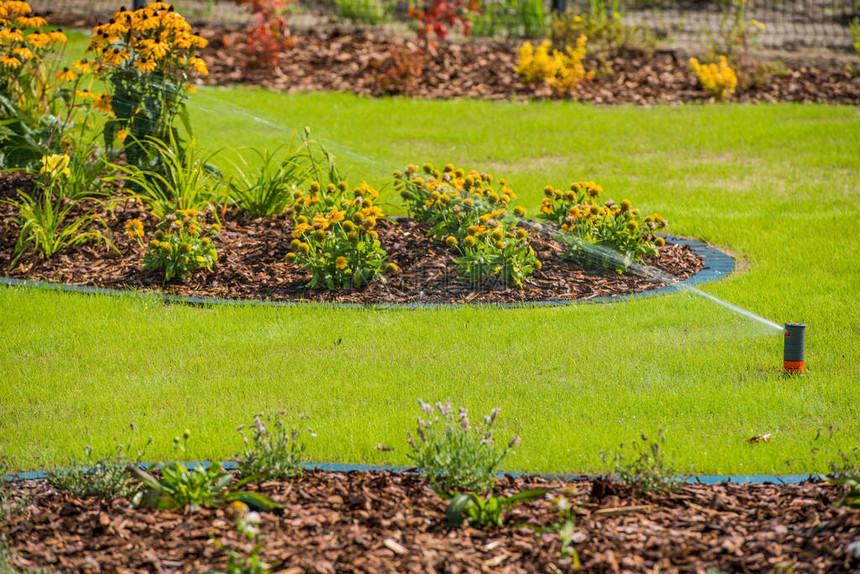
[610,235]
[154,38]
[18,47]
[718,79]
[25,46]
[148,58]
[335,236]
[181,248]
[470,216]
[563,71]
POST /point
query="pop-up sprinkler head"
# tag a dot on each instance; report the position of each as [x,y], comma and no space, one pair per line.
[792,361]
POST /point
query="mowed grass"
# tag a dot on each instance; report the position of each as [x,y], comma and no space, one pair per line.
[777,186]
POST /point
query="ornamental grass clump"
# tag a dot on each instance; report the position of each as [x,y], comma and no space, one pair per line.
[470,216]
[335,236]
[268,191]
[274,450]
[147,57]
[45,218]
[453,455]
[562,71]
[181,246]
[609,235]
[718,79]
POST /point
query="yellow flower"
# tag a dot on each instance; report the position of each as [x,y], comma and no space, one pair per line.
[11,35]
[23,54]
[38,40]
[30,22]
[191,89]
[366,189]
[17,8]
[335,216]
[67,75]
[146,65]
[134,228]
[56,165]
[58,36]
[10,62]
[103,102]
[341,263]
[121,135]
[83,66]
[301,228]
[199,66]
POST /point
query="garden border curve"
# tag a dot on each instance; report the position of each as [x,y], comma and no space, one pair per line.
[716,265]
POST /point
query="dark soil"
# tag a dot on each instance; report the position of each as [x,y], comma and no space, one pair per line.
[252,265]
[380,522]
[350,61]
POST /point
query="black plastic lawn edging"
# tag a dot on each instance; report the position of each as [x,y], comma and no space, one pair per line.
[347,468]
[716,265]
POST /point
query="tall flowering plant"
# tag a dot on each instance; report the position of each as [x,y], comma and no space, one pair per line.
[148,58]
[31,92]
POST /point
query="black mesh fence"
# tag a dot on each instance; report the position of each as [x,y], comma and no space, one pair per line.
[788,24]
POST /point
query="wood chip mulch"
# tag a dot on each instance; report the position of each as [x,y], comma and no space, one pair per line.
[380,522]
[349,60]
[252,265]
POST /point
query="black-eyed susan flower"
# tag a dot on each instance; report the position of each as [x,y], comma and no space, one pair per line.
[67,75]
[659,242]
[341,263]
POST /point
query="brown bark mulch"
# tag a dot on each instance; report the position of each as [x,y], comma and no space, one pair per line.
[252,265]
[381,522]
[349,60]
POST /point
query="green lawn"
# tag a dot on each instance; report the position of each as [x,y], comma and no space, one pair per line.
[777,186]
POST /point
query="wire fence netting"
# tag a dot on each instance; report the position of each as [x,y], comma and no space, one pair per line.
[788,24]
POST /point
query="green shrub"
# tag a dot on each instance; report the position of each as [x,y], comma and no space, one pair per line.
[511,18]
[105,476]
[370,12]
[602,23]
[274,451]
[452,454]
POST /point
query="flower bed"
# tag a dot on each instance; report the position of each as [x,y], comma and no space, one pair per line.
[373,522]
[485,70]
[252,265]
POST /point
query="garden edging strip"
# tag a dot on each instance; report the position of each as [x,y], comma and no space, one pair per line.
[345,468]
[716,265]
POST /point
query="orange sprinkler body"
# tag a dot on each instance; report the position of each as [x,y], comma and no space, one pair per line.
[793,351]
